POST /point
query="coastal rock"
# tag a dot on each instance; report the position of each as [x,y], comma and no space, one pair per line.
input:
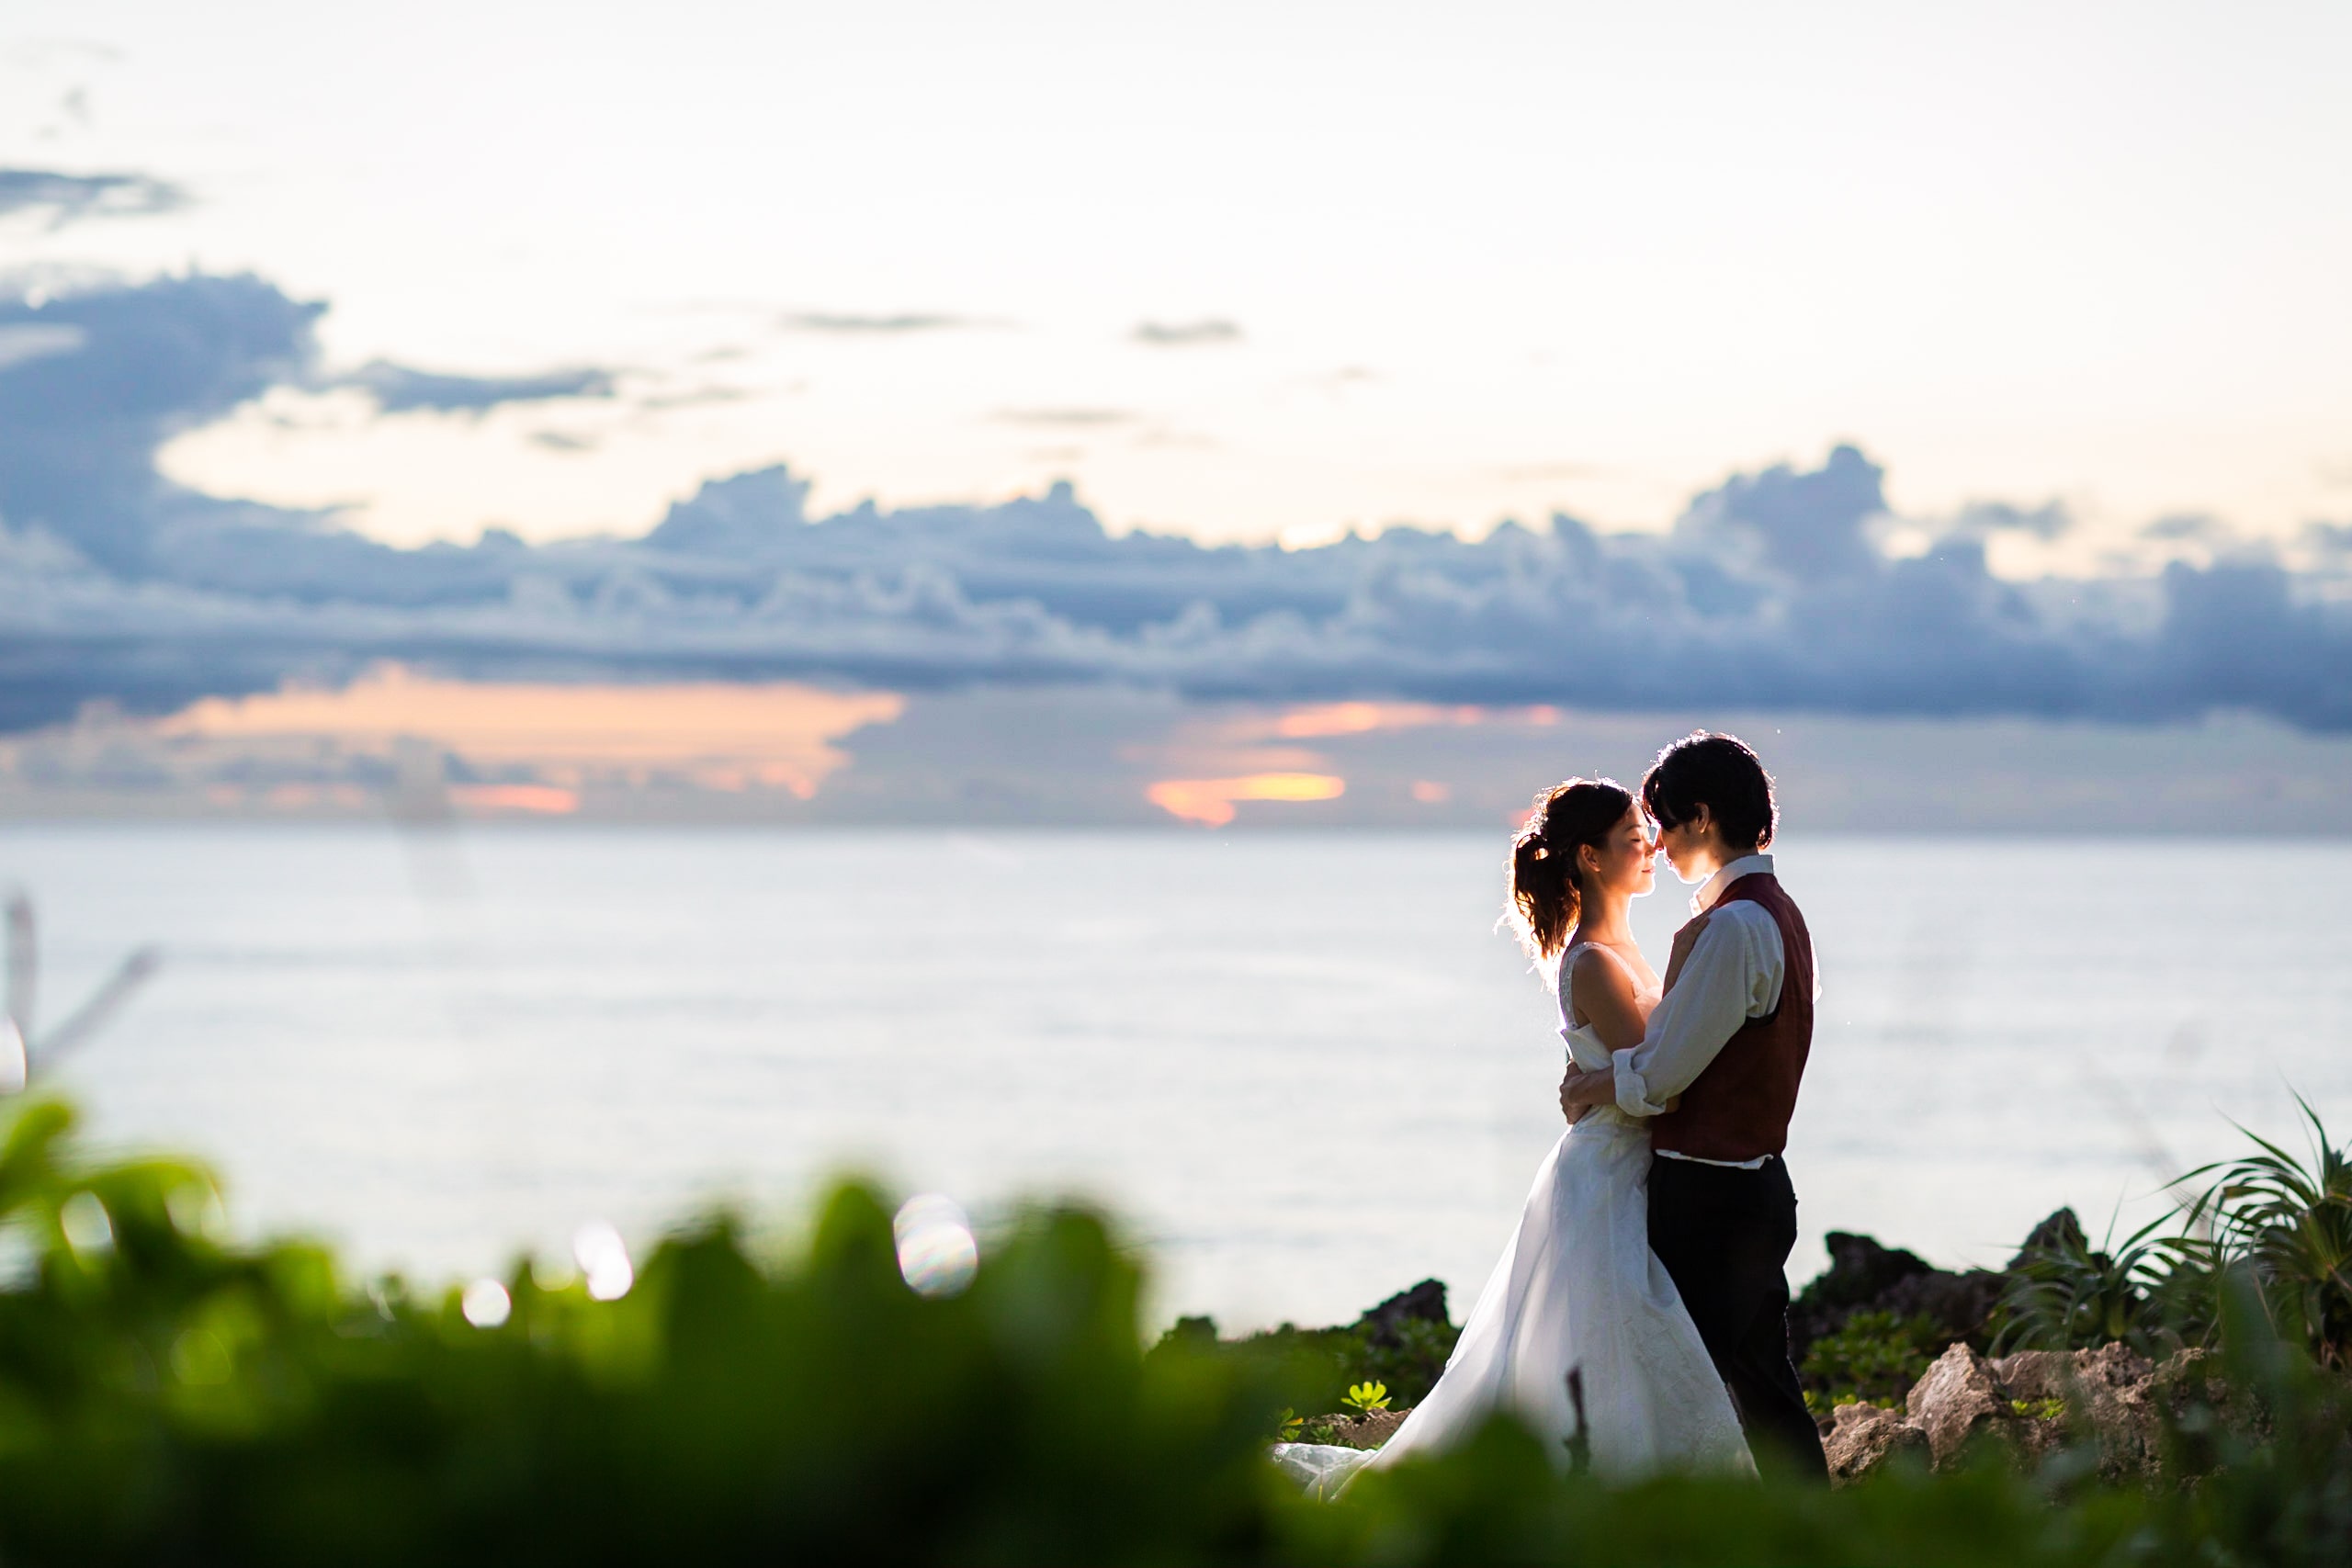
[1957,1399]
[2111,1394]
[1959,1304]
[2062,1232]
[1425,1302]
[2035,1402]
[1369,1430]
[1865,1437]
[1864,1276]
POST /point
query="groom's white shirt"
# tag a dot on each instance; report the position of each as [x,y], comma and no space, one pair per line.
[1734,974]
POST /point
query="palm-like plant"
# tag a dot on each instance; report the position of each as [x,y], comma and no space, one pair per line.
[2290,1224]
[2067,1295]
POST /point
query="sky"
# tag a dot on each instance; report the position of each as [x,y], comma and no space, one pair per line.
[1237,272]
[1059,413]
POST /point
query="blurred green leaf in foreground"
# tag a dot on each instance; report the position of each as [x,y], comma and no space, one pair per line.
[167,1395]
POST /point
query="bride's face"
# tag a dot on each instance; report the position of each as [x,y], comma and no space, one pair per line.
[1628,857]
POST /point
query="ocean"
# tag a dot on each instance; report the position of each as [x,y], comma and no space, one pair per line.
[1304,1070]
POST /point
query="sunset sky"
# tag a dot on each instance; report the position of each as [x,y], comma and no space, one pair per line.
[1241,271]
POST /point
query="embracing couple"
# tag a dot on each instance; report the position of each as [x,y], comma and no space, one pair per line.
[1647,1268]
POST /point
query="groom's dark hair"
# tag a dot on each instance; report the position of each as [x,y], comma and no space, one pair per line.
[1721,774]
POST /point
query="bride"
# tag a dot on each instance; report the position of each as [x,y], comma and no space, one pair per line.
[1577,1290]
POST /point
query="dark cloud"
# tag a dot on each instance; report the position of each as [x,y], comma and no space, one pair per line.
[398,389]
[1186,335]
[69,198]
[849,325]
[80,424]
[1771,592]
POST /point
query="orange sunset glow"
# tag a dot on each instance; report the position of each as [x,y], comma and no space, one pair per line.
[1210,802]
[777,735]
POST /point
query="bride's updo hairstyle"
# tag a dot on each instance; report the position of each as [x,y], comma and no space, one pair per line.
[1545,890]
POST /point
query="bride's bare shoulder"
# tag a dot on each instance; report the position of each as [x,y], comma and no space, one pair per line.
[1602,992]
[1592,970]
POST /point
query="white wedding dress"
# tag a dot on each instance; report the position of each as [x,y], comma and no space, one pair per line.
[1576,1287]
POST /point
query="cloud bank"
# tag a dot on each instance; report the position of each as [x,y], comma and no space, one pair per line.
[1773,591]
[71,198]
[398,389]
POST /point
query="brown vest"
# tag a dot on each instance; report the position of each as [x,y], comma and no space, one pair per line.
[1739,1108]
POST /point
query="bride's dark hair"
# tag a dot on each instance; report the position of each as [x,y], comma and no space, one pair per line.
[1546,891]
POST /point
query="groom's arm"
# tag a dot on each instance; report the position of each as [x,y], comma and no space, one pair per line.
[1732,974]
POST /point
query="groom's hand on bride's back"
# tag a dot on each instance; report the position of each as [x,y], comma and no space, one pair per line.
[1569,1106]
[1580,1091]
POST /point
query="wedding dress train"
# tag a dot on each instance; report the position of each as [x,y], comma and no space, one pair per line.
[1576,1289]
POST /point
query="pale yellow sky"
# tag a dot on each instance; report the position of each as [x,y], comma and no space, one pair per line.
[1479,260]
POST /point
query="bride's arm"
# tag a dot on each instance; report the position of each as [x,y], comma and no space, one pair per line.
[1605,998]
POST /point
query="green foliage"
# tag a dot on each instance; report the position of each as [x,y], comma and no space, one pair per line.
[2282,1222]
[1366,1397]
[2069,1296]
[1315,1367]
[1873,1356]
[2266,1444]
[166,1396]
[2290,1224]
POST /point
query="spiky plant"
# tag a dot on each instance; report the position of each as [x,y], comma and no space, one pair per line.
[2067,1295]
[2289,1222]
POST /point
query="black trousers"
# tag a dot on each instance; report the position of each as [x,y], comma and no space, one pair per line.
[1724,1236]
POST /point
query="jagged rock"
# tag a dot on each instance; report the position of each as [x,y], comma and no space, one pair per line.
[2111,1394]
[1957,1303]
[1368,1431]
[1865,1437]
[1864,1276]
[1861,1270]
[1425,1300]
[1957,1399]
[2062,1232]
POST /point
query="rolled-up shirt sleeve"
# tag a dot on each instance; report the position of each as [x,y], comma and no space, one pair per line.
[1733,974]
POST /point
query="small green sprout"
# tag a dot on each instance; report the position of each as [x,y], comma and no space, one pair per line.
[1287,1424]
[1367,1397]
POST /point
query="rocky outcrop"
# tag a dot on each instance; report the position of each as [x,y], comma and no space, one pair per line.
[2109,1392]
[1369,1430]
[1863,1276]
[1865,1437]
[1958,1400]
[1425,1302]
[2032,1403]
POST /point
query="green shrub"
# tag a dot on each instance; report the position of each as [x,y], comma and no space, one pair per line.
[1873,1356]
[2290,1226]
[1319,1365]
[166,1396]
[2066,1295]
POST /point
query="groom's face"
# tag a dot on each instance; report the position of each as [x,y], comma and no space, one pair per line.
[1684,847]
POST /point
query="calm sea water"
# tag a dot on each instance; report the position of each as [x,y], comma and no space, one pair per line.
[1306,1069]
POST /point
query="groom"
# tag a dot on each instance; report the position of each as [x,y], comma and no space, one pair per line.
[1730,1038]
